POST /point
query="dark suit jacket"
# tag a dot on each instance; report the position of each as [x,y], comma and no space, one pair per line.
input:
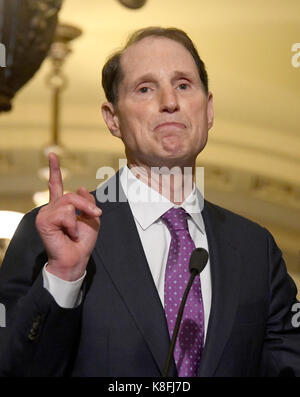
[120,328]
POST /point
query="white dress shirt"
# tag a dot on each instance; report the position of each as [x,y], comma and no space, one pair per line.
[147,206]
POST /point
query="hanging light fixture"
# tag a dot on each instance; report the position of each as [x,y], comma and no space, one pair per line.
[133,4]
[26,32]
[9,221]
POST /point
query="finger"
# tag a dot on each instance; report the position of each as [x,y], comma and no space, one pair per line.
[82,204]
[82,191]
[55,179]
[68,221]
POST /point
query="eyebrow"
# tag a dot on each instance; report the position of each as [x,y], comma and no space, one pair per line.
[143,78]
[183,74]
[150,77]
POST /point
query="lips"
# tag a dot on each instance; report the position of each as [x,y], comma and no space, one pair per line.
[170,125]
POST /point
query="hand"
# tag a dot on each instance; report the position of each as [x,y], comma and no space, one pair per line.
[68,238]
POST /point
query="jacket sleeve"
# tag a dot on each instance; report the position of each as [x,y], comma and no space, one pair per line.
[39,337]
[281,351]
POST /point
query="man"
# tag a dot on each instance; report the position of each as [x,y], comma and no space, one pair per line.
[92,288]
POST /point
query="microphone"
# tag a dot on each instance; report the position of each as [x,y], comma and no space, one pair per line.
[198,261]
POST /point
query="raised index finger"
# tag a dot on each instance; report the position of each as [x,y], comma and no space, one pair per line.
[56,188]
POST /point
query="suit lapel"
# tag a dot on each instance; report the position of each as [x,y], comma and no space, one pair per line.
[225,265]
[119,249]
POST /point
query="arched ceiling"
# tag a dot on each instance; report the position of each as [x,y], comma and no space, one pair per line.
[252,159]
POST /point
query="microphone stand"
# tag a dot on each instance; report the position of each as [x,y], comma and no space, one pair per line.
[194,272]
[197,263]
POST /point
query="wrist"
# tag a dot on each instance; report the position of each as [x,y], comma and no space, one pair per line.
[66,274]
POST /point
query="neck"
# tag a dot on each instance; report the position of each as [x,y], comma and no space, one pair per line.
[175,183]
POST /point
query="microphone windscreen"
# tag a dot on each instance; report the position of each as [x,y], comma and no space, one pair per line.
[198,260]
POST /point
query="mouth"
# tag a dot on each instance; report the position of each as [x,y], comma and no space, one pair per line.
[170,126]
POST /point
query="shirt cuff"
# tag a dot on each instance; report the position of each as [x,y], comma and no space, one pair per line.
[67,294]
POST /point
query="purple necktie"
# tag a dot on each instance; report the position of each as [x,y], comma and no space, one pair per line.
[190,339]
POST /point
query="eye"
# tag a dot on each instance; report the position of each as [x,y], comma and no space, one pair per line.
[144,90]
[183,86]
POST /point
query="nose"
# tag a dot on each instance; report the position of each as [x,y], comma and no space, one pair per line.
[168,100]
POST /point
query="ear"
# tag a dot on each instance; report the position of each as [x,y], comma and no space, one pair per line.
[111,119]
[210,110]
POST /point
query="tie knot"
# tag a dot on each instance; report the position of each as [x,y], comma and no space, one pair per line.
[175,219]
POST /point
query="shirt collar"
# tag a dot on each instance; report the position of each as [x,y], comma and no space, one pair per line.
[148,205]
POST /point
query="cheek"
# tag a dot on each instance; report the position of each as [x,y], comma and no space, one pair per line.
[134,131]
[130,116]
[199,126]
[199,117]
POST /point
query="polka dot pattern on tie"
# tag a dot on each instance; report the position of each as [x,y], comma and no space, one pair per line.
[190,339]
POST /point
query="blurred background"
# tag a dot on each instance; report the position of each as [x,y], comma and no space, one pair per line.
[252,159]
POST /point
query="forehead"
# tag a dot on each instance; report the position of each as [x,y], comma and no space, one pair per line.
[156,55]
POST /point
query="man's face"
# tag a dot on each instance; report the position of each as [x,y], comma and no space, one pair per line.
[163,114]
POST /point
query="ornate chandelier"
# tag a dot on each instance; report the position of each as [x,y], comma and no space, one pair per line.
[27,28]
